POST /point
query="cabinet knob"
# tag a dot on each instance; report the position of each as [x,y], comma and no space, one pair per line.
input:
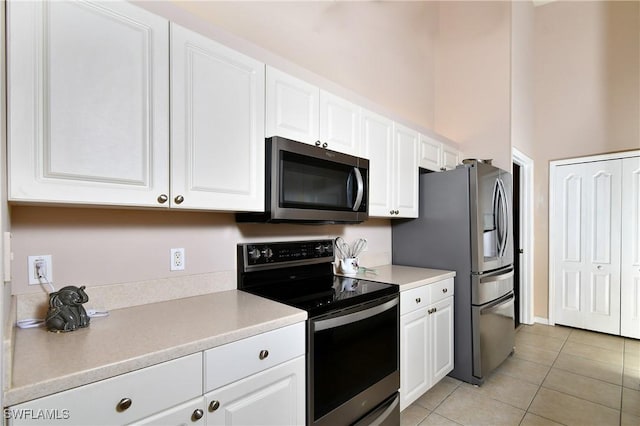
[317,143]
[442,169]
[444,290]
[397,212]
[324,145]
[263,354]
[179,199]
[213,406]
[124,404]
[418,300]
[162,198]
[390,211]
[197,415]
[599,267]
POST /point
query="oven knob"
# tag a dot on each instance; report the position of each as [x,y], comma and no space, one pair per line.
[254,254]
[320,249]
[267,253]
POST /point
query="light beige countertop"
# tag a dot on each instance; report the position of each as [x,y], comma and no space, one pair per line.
[406,277]
[137,337]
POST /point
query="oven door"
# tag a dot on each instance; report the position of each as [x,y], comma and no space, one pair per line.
[353,361]
[315,184]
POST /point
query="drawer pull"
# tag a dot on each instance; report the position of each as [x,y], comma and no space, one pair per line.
[444,290]
[124,404]
[418,300]
[432,310]
[197,415]
[213,406]
[263,354]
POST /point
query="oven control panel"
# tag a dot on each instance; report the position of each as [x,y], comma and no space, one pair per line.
[274,254]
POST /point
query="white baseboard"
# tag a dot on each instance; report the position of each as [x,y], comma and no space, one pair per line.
[540,320]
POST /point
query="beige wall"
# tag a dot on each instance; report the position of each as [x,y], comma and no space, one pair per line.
[472,90]
[380,50]
[587,97]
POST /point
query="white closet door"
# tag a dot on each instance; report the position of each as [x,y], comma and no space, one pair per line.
[630,273]
[587,245]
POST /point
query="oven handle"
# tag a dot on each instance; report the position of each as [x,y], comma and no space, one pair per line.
[383,416]
[354,317]
[360,193]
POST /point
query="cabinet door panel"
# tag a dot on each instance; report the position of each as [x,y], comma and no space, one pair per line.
[406,171]
[430,153]
[217,147]
[414,362]
[272,397]
[441,339]
[377,146]
[88,118]
[339,124]
[630,269]
[450,158]
[292,107]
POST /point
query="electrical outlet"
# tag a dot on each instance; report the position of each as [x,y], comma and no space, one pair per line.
[177,259]
[40,269]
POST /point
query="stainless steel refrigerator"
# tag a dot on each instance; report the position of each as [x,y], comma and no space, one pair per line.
[465,224]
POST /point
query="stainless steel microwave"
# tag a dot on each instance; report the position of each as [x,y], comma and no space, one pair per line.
[306,183]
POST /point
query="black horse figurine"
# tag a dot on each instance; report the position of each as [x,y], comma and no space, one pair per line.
[66,312]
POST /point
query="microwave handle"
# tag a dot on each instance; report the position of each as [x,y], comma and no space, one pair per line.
[360,193]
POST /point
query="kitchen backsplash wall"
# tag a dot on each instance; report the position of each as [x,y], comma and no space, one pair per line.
[109,246]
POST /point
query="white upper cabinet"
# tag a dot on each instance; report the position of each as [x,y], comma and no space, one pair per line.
[217,131]
[339,124]
[302,112]
[437,156]
[405,164]
[88,103]
[392,150]
[377,146]
[292,107]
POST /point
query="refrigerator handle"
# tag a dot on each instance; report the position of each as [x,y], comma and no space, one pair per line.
[505,218]
[495,202]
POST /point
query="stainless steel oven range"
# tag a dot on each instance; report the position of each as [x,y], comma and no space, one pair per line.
[352,332]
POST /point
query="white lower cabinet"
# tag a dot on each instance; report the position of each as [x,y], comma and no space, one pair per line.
[118,400]
[259,380]
[426,338]
[272,397]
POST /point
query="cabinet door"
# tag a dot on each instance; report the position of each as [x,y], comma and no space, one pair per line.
[272,397]
[217,110]
[292,107]
[450,158]
[88,96]
[148,390]
[430,153]
[189,413]
[339,124]
[405,166]
[587,245]
[414,357]
[440,339]
[377,146]
[630,270]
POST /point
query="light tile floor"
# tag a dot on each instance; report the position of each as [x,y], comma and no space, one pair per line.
[557,376]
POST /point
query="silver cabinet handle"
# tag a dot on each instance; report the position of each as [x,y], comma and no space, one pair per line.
[213,406]
[124,404]
[197,415]
[397,212]
[263,354]
[324,145]
[444,290]
[179,199]
[442,169]
[418,300]
[390,211]
[599,266]
[317,143]
[162,198]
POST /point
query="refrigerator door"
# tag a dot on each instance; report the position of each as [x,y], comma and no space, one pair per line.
[490,218]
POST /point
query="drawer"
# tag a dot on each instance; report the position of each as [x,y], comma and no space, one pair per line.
[233,361]
[413,299]
[150,390]
[439,290]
